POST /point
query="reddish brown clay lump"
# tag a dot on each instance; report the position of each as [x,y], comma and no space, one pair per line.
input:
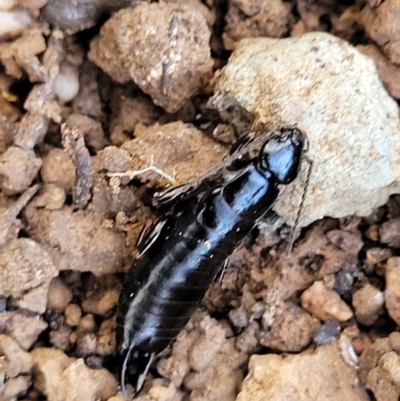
[162,47]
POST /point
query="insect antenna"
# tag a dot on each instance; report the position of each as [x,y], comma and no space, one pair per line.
[292,238]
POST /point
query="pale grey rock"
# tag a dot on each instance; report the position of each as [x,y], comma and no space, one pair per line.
[328,89]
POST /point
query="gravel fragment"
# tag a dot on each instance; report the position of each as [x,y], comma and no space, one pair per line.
[79,383]
[325,303]
[290,331]
[9,225]
[391,363]
[368,302]
[16,361]
[381,24]
[15,159]
[40,102]
[389,233]
[214,362]
[350,242]
[25,265]
[115,159]
[239,317]
[392,293]
[87,324]
[130,112]
[376,257]
[62,378]
[61,338]
[49,363]
[58,169]
[327,332]
[72,315]
[78,241]
[19,56]
[59,295]
[163,48]
[371,355]
[23,327]
[13,21]
[86,344]
[106,343]
[101,295]
[394,338]
[345,278]
[224,133]
[254,18]
[51,197]
[297,82]
[90,129]
[381,386]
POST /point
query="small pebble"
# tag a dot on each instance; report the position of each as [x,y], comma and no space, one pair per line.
[325,334]
[348,241]
[345,279]
[72,315]
[66,85]
[58,169]
[60,338]
[239,317]
[324,303]
[17,361]
[86,345]
[368,302]
[392,293]
[390,233]
[87,324]
[59,295]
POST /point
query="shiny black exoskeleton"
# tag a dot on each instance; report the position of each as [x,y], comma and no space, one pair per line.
[183,253]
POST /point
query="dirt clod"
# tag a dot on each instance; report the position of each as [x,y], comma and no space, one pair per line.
[380,25]
[167,62]
[78,241]
[16,360]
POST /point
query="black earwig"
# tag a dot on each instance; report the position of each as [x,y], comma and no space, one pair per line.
[183,253]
